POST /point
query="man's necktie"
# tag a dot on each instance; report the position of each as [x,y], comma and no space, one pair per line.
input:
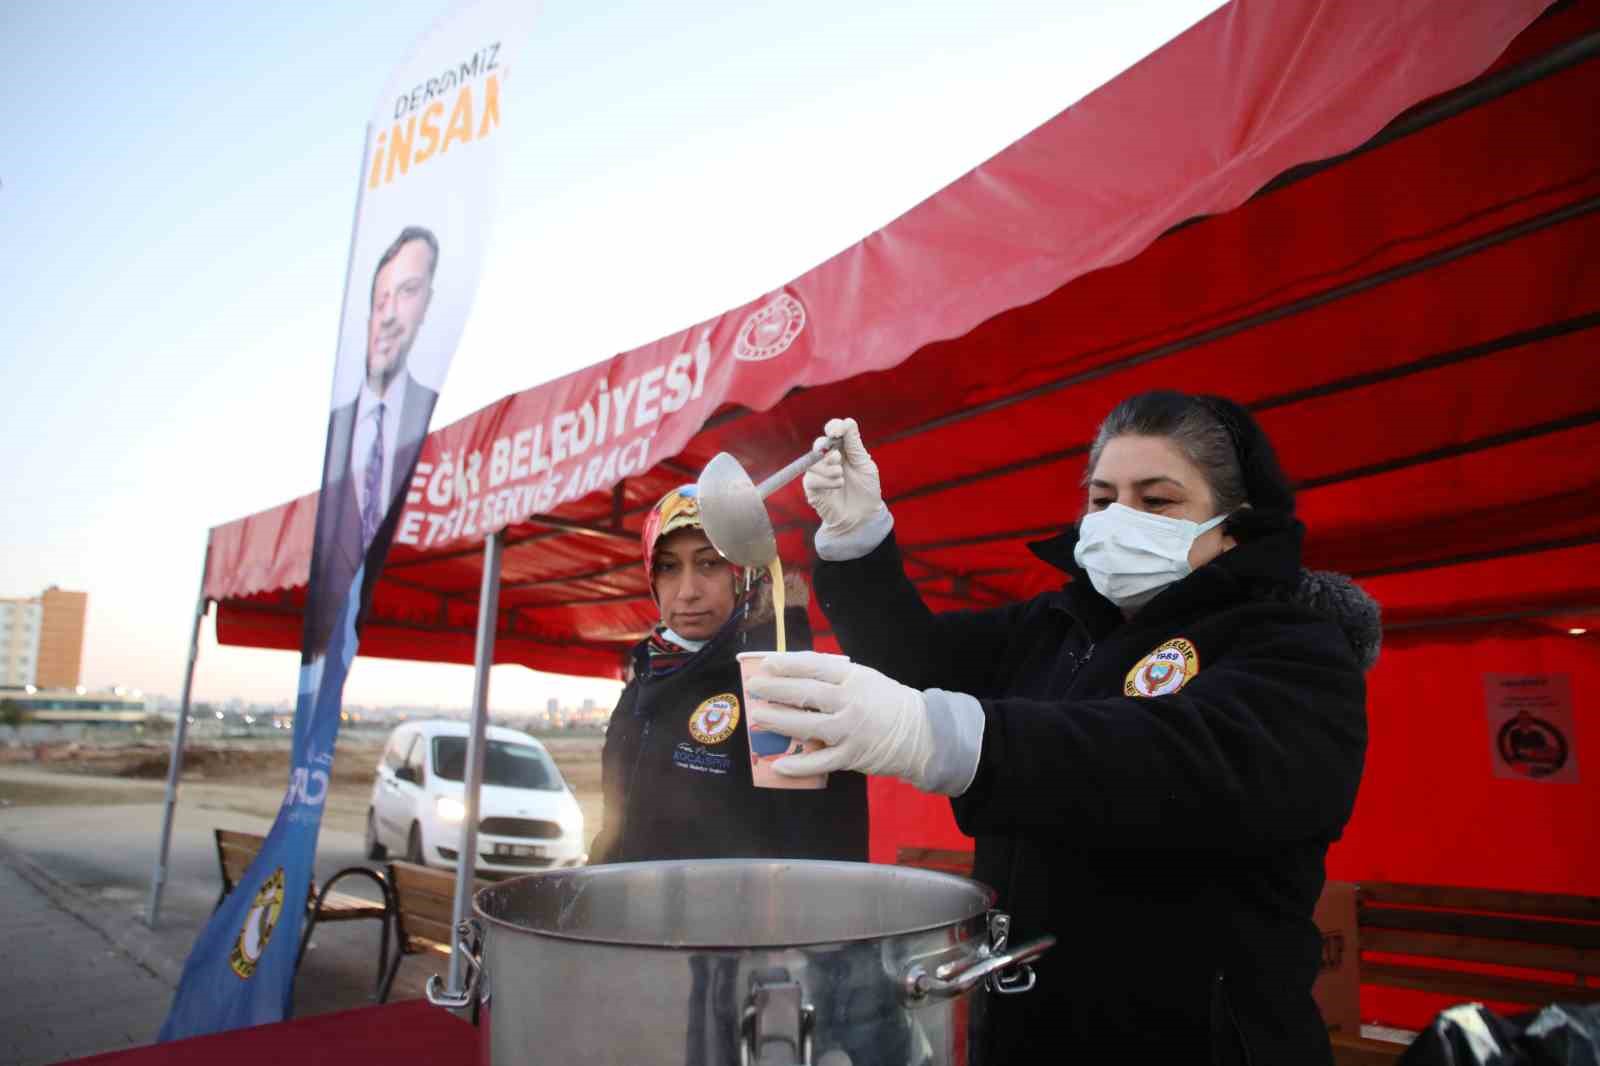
[372,487]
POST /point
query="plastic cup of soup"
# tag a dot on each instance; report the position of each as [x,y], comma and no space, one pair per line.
[767,747]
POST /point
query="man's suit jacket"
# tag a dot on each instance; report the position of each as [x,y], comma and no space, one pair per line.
[337,553]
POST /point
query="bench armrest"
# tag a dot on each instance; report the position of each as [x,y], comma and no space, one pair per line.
[362,871]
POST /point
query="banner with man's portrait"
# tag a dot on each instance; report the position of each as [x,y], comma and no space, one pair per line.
[418,245]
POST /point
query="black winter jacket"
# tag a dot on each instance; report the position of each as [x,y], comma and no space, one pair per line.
[672,795]
[1174,842]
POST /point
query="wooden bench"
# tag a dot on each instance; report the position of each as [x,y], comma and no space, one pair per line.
[236,851]
[1438,938]
[424,915]
[1459,942]
[1456,942]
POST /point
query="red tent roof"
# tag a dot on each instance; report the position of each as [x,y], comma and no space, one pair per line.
[1375,224]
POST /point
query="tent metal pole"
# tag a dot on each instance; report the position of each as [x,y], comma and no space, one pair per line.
[477,745]
[158,879]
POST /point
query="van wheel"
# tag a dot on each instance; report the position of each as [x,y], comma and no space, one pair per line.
[375,849]
[414,846]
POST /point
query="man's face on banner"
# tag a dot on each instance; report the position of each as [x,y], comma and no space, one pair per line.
[400,295]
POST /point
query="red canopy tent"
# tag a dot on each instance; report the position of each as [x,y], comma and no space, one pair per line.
[1375,224]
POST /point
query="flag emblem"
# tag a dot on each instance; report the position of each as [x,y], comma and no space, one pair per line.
[259,923]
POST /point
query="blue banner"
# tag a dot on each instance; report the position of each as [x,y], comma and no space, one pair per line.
[422,223]
[241,969]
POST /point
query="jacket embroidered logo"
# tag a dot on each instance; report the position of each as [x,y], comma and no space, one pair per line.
[1163,671]
[713,721]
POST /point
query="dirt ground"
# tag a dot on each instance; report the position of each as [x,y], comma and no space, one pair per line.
[244,776]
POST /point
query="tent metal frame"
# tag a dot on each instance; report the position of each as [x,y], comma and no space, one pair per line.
[158,877]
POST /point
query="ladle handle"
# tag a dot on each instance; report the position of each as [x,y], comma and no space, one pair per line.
[795,469]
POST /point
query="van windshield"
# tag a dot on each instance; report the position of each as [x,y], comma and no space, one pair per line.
[505,763]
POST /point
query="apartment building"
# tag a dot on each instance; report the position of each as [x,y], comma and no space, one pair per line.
[41,639]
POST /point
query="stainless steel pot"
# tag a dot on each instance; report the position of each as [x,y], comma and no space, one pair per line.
[725,962]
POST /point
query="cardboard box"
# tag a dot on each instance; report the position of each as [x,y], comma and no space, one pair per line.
[1338,987]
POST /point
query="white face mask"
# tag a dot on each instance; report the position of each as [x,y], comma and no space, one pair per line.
[1132,555]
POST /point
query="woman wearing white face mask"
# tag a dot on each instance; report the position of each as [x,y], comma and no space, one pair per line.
[1153,760]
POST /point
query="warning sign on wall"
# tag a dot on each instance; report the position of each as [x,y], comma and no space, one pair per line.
[1530,726]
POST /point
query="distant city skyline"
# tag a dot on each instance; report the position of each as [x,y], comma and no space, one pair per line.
[177,230]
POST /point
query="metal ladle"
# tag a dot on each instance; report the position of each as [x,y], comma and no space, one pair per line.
[733,508]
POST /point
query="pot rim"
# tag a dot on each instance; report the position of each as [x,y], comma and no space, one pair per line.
[986,894]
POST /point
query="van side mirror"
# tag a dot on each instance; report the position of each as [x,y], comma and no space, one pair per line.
[405,773]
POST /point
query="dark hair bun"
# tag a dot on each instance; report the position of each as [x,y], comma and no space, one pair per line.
[1266,486]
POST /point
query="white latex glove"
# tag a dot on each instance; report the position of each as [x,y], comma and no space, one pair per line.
[843,486]
[869,722]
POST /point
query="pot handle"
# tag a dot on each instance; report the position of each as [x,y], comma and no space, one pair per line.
[469,935]
[1006,971]
[777,1024]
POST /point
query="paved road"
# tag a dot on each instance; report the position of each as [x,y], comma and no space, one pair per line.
[101,856]
[48,956]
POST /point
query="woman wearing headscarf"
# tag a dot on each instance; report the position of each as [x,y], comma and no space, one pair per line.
[675,770]
[1154,759]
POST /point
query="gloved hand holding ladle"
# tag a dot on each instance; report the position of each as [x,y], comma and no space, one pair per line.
[733,507]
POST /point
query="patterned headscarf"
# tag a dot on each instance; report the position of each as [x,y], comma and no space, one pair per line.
[678,509]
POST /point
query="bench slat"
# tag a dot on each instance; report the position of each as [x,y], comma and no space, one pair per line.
[1539,904]
[237,851]
[425,899]
[944,860]
[1361,1051]
[1488,926]
[1475,986]
[339,906]
[424,894]
[430,930]
[236,867]
[1473,949]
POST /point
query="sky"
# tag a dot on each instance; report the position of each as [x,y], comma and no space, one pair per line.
[177,182]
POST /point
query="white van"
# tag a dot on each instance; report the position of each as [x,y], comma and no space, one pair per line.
[528,819]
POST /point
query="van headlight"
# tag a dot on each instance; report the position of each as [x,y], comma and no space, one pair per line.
[450,809]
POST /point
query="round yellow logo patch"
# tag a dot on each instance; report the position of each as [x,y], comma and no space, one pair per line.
[712,722]
[1164,671]
[259,923]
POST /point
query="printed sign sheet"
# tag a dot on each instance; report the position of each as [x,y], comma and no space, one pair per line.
[1531,730]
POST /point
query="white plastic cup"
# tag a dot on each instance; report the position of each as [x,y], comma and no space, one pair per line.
[767,747]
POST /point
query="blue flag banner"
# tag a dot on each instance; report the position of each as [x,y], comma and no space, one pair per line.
[241,969]
[422,222]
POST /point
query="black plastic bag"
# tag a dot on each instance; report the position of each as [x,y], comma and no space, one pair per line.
[1472,1035]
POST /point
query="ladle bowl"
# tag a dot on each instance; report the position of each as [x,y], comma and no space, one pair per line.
[733,509]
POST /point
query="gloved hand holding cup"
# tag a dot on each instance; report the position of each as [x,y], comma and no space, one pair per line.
[770,746]
[868,722]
